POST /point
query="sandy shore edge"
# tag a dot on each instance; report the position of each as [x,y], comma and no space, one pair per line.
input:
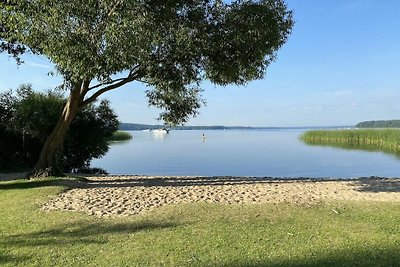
[131,195]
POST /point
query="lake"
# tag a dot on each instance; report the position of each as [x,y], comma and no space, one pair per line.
[272,152]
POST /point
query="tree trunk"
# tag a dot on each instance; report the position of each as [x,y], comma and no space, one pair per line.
[47,164]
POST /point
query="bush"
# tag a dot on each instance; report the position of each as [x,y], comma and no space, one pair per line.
[28,117]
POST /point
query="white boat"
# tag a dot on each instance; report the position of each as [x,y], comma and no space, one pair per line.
[160,131]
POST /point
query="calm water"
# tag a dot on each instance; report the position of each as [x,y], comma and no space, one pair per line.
[277,153]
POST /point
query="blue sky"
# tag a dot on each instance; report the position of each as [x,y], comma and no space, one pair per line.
[340,66]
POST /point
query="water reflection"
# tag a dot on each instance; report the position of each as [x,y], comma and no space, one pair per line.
[160,135]
[120,142]
[364,147]
[275,153]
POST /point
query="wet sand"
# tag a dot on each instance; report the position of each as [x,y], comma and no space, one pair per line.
[130,195]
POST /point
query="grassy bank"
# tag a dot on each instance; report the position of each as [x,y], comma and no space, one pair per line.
[385,140]
[120,136]
[358,234]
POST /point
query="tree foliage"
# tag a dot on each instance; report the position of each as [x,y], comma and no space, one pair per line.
[169,45]
[8,43]
[27,118]
[172,46]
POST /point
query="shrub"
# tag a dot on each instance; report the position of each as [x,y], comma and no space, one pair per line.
[28,117]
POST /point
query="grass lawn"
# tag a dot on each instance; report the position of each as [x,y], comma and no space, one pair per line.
[361,234]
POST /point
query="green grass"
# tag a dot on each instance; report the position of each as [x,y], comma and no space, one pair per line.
[385,140]
[362,234]
[119,136]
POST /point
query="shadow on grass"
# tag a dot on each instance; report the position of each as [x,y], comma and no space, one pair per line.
[8,259]
[79,233]
[28,184]
[364,184]
[371,256]
[70,236]
[142,181]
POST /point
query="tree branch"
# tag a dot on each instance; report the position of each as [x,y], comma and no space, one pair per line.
[114,8]
[142,81]
[131,77]
[106,83]
[84,89]
[131,72]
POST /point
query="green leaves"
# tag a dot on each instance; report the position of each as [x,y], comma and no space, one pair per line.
[246,40]
[179,103]
[27,118]
[174,45]
[8,43]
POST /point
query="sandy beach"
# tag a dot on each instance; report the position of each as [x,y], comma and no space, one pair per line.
[130,195]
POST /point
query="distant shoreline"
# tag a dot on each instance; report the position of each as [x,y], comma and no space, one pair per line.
[141,127]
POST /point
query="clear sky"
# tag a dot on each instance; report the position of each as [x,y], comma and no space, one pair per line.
[340,66]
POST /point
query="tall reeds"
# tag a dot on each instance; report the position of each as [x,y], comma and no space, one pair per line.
[120,136]
[386,140]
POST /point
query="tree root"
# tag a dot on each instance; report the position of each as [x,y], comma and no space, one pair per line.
[46,172]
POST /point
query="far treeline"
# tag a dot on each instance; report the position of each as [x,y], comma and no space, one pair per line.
[379,124]
[123,126]
[139,127]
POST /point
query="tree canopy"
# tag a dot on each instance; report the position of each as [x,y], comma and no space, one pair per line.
[169,45]
[8,43]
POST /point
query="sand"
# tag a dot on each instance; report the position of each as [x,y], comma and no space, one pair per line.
[131,195]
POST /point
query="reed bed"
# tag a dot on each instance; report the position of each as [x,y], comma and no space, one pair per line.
[120,136]
[386,140]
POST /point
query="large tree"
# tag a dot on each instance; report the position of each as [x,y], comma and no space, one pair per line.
[170,45]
